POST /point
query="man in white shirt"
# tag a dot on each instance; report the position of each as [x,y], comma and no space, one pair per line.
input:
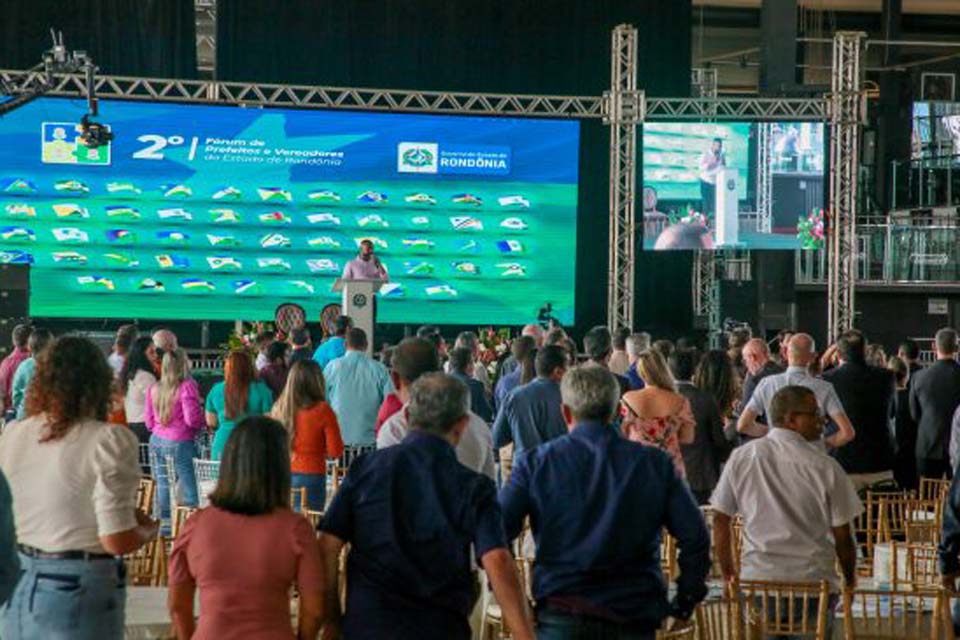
[366,266]
[712,161]
[800,353]
[411,359]
[797,503]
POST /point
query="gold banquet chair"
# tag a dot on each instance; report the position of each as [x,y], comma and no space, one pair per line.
[787,608]
[901,615]
[720,620]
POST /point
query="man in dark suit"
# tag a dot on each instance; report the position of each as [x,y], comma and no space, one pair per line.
[710,447]
[934,396]
[867,394]
[598,345]
[909,352]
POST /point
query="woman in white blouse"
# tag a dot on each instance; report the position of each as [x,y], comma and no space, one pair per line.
[137,376]
[74,481]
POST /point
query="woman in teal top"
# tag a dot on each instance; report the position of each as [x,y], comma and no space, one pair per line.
[238,396]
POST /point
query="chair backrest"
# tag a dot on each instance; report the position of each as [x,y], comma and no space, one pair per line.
[787,608]
[934,489]
[882,615]
[180,516]
[720,620]
[668,556]
[688,632]
[144,457]
[737,538]
[145,492]
[896,512]
[206,472]
[298,498]
[313,516]
[922,532]
[920,566]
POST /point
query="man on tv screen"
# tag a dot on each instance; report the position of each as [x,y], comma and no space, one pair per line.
[712,162]
[366,266]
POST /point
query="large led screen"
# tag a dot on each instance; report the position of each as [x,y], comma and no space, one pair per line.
[686,164]
[936,131]
[214,212]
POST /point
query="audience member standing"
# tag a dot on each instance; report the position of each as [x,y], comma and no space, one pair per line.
[357,385]
[866,393]
[510,381]
[534,332]
[8,367]
[9,560]
[263,341]
[138,375]
[336,345]
[716,375]
[462,367]
[126,334]
[246,550]
[274,374]
[74,483]
[756,359]
[909,352]
[530,414]
[413,358]
[934,397]
[619,360]
[801,353]
[238,396]
[302,345]
[469,340]
[598,345]
[313,430]
[174,416]
[710,448]
[410,577]
[657,415]
[904,428]
[603,580]
[797,504]
[164,340]
[36,343]
[636,344]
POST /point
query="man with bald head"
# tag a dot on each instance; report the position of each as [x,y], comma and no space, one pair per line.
[759,365]
[511,364]
[800,353]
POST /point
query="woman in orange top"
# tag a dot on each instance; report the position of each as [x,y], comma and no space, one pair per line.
[313,427]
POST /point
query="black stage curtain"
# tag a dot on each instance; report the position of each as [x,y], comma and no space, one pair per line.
[507,46]
[152,38]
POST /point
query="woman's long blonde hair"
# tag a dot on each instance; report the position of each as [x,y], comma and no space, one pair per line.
[173,371]
[305,387]
[654,372]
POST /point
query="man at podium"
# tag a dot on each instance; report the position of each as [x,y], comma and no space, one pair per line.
[366,266]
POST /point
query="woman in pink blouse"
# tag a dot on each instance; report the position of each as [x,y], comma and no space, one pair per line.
[657,415]
[174,415]
[248,548]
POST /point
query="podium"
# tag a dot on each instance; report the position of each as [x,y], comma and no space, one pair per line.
[359,302]
[727,209]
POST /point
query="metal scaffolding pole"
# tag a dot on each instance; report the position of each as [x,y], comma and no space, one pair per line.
[624,112]
[206,25]
[764,179]
[846,102]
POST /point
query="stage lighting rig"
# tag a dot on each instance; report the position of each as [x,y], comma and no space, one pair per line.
[58,60]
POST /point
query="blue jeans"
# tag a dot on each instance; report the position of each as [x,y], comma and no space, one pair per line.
[183,452]
[316,484]
[66,600]
[554,625]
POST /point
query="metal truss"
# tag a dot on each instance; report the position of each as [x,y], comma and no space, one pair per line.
[764,179]
[206,29]
[704,108]
[624,113]
[706,286]
[297,96]
[846,117]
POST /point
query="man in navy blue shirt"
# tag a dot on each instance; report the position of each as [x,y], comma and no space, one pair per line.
[530,414]
[597,504]
[410,514]
[461,367]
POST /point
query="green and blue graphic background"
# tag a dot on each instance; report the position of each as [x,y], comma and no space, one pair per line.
[519,253]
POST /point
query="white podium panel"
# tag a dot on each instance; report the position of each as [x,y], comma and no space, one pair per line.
[727,208]
[358,303]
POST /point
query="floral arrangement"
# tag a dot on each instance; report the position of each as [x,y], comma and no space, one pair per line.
[493,345]
[245,339]
[810,230]
[690,217]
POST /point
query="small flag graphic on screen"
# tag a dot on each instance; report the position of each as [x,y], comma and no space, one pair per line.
[302,286]
[197,284]
[275,264]
[274,240]
[122,212]
[174,214]
[514,201]
[149,284]
[17,234]
[322,265]
[323,218]
[121,260]
[467,198]
[466,223]
[225,193]
[96,282]
[121,235]
[372,220]
[324,195]
[173,237]
[123,187]
[441,291]
[170,261]
[224,215]
[509,246]
[372,197]
[420,198]
[174,190]
[223,263]
[514,224]
[418,268]
[274,193]
[70,234]
[20,209]
[275,216]
[469,268]
[512,269]
[72,186]
[15,257]
[324,241]
[469,246]
[70,211]
[222,241]
[377,242]
[19,185]
[246,286]
[392,290]
[418,243]
[69,257]
[420,221]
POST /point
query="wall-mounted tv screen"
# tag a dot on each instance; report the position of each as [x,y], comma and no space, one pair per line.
[701,191]
[936,131]
[217,212]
